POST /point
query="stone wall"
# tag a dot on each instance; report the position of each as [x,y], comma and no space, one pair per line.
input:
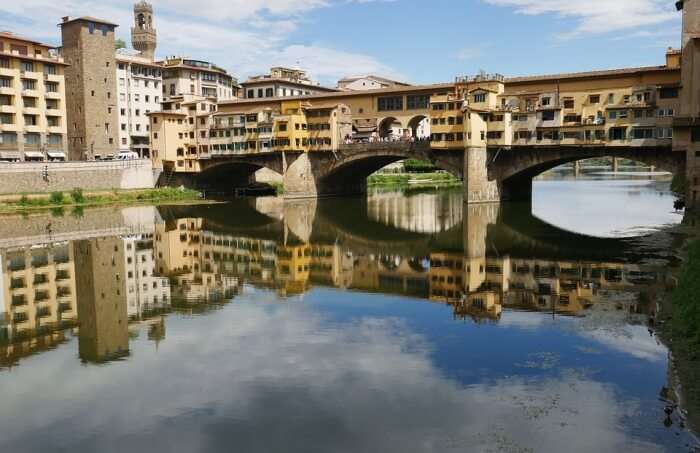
[21,230]
[27,177]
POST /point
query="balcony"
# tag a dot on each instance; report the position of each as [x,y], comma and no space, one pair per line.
[55,130]
[20,318]
[8,109]
[30,93]
[8,91]
[31,111]
[9,127]
[54,112]
[8,72]
[53,78]
[52,95]
[17,283]
[33,75]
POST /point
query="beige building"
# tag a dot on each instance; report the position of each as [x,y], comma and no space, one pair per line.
[280,83]
[32,101]
[368,82]
[91,87]
[180,133]
[139,85]
[188,77]
[37,290]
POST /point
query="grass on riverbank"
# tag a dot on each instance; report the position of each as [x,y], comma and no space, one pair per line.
[405,180]
[76,197]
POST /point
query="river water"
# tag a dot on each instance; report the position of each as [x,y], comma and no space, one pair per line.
[399,322]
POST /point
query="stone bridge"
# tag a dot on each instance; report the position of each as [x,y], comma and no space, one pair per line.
[490,175]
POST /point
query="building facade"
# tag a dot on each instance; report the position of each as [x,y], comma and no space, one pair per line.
[139,85]
[281,82]
[32,101]
[368,82]
[183,76]
[91,87]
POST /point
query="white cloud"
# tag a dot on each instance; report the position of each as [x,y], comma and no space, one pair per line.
[243,36]
[599,16]
[218,382]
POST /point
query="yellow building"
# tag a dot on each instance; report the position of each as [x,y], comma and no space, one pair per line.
[328,127]
[180,133]
[290,130]
[294,268]
[38,290]
[32,101]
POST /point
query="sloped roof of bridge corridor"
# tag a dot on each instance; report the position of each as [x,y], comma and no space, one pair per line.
[513,86]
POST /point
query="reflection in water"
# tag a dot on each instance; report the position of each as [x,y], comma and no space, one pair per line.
[372,360]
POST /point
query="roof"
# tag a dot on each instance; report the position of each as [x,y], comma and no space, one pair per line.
[10,35]
[68,20]
[589,74]
[373,77]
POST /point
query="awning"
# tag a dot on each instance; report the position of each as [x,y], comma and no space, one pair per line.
[366,130]
[33,155]
[56,155]
[10,155]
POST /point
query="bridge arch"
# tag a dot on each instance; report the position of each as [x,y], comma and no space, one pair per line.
[349,168]
[515,169]
[419,126]
[390,127]
[231,172]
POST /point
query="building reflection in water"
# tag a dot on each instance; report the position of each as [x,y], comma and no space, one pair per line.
[93,288]
[102,288]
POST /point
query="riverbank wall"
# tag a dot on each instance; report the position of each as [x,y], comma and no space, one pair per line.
[24,230]
[44,177]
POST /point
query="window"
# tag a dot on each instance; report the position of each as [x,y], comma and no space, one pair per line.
[546,101]
[91,27]
[666,113]
[668,93]
[618,133]
[479,97]
[568,103]
[27,66]
[269,92]
[594,99]
[640,134]
[390,103]
[695,134]
[417,101]
[548,115]
[611,98]
[664,133]
[28,84]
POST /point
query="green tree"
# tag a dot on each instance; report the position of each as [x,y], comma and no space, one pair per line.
[119,44]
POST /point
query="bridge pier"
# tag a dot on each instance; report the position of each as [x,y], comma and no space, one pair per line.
[477,186]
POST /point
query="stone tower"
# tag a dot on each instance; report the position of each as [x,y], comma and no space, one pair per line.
[91,87]
[143,35]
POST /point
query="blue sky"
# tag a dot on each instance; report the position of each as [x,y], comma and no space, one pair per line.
[417,41]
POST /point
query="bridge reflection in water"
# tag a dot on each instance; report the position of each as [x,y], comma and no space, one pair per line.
[478,260]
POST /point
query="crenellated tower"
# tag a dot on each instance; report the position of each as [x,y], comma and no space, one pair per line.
[143,34]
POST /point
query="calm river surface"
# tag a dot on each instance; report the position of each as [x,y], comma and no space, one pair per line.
[396,323]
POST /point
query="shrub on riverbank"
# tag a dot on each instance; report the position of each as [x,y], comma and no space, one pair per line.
[77,198]
[686,299]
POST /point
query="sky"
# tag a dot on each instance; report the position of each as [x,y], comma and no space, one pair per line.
[427,41]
